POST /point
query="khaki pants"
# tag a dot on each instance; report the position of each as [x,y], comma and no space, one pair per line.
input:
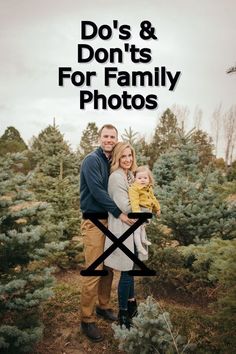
[94,287]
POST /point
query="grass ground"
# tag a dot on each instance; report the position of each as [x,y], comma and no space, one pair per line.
[61,318]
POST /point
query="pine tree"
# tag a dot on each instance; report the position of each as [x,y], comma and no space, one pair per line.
[88,141]
[50,150]
[182,161]
[231,172]
[193,211]
[165,136]
[152,332]
[130,136]
[205,147]
[25,279]
[11,141]
[190,206]
[217,260]
[140,148]
[55,180]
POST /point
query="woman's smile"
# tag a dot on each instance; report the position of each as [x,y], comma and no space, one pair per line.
[126,159]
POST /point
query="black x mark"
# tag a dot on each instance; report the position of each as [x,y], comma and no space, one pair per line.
[118,243]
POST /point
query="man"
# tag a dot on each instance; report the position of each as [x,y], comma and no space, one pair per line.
[94,198]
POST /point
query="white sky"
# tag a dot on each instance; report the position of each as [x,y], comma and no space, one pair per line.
[197,38]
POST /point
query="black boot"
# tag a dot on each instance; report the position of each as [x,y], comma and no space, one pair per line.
[91,331]
[132,308]
[124,318]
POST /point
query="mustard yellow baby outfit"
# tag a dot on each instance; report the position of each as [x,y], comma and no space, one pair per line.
[142,196]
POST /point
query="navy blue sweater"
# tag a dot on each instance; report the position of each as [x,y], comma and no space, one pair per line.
[94,174]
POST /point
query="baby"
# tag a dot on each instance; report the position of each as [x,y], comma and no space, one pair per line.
[142,196]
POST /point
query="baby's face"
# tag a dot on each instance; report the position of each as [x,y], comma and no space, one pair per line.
[142,178]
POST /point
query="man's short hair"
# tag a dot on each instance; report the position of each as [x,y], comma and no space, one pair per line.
[108,126]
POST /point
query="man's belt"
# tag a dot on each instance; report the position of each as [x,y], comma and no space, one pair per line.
[99,216]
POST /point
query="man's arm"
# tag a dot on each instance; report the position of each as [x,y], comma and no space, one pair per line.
[93,178]
[119,194]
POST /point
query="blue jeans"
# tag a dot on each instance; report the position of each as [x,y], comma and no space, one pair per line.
[125,290]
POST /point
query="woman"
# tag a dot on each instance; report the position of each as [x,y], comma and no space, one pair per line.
[122,167]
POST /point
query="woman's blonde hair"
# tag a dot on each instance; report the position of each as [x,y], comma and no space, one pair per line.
[117,154]
[145,168]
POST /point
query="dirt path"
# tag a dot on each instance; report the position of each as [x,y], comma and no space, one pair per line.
[61,320]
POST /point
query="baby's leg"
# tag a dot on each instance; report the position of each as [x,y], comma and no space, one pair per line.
[143,235]
[138,242]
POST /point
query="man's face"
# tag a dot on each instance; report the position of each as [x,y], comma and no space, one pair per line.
[108,139]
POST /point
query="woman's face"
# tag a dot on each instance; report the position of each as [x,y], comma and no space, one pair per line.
[126,159]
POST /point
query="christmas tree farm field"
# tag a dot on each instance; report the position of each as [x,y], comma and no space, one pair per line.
[61,317]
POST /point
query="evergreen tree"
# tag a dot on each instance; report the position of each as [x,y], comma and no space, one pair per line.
[219,163]
[205,147]
[140,148]
[55,180]
[25,280]
[217,260]
[152,332]
[231,172]
[63,196]
[183,161]
[190,206]
[165,136]
[130,136]
[88,141]
[193,211]
[50,150]
[11,141]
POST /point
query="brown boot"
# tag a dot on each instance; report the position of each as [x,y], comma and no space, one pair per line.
[91,331]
